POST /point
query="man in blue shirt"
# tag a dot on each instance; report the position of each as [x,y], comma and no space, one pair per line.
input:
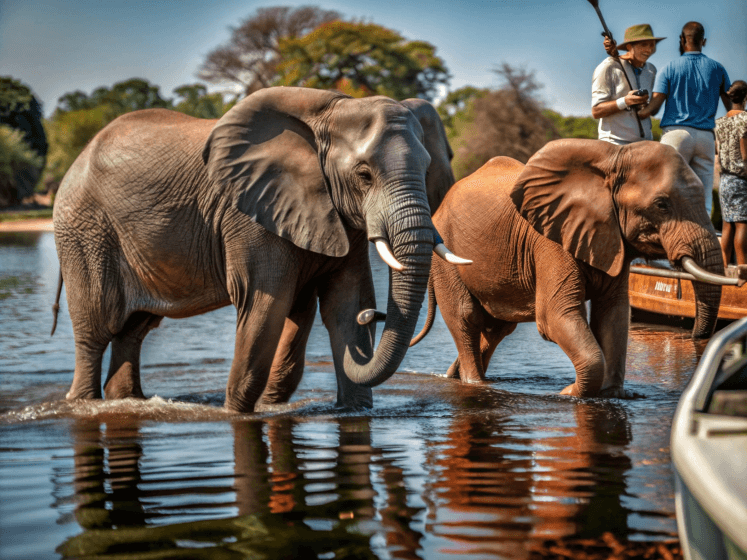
[691,86]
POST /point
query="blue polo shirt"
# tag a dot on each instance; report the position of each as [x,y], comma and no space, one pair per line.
[692,84]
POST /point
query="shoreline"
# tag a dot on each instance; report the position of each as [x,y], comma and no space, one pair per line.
[33,224]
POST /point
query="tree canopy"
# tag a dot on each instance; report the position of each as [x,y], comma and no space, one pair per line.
[362,59]
[250,58]
[24,143]
[122,97]
[508,121]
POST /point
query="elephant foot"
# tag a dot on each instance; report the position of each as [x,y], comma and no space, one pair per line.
[453,371]
[357,407]
[619,393]
[88,394]
[122,393]
[571,390]
[359,402]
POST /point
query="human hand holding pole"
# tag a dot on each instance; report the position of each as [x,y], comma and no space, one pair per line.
[611,47]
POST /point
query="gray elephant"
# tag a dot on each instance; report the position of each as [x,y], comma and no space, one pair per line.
[547,237]
[269,208]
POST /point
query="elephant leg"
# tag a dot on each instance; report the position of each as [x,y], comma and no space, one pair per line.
[89,318]
[453,371]
[290,356]
[609,321]
[87,376]
[571,332]
[123,379]
[464,317]
[490,339]
[258,332]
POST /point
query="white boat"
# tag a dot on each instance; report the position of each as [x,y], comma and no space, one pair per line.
[709,451]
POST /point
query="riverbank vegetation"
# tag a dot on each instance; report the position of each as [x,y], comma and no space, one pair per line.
[307,47]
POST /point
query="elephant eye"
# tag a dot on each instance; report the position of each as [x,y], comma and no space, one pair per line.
[662,205]
[365,175]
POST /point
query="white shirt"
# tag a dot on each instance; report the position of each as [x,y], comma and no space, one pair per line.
[609,84]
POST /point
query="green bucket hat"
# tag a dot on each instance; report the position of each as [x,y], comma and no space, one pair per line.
[635,33]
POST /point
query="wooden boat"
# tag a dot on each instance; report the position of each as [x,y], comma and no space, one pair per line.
[655,289]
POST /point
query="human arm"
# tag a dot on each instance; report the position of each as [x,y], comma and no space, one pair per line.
[725,100]
[743,146]
[607,108]
[657,99]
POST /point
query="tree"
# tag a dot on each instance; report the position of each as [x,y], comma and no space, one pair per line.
[457,102]
[506,122]
[251,56]
[123,97]
[196,101]
[78,117]
[24,151]
[16,159]
[361,59]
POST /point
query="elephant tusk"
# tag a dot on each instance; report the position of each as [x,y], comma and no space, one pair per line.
[448,256]
[369,316]
[702,275]
[385,252]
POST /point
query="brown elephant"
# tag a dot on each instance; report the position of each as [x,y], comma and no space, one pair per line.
[269,208]
[560,231]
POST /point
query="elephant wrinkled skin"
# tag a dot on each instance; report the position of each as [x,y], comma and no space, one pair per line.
[269,208]
[560,231]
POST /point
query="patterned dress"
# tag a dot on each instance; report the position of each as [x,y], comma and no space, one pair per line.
[733,182]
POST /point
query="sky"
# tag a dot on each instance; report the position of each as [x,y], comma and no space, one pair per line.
[59,46]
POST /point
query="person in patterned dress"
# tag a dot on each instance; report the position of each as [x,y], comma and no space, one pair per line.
[731,141]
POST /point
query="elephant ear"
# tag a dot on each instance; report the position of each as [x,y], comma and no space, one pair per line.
[439,177]
[265,155]
[565,193]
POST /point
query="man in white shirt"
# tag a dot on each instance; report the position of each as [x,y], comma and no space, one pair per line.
[613,101]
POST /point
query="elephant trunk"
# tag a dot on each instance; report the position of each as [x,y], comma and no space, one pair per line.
[707,296]
[411,235]
[705,250]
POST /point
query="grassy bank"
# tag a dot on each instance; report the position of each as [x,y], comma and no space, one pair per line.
[19,215]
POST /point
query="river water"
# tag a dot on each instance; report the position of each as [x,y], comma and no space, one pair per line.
[435,470]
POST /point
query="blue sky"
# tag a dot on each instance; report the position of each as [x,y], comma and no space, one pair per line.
[59,46]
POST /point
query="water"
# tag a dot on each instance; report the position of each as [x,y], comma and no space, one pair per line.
[436,470]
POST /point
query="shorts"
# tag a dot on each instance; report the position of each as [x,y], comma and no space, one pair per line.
[732,194]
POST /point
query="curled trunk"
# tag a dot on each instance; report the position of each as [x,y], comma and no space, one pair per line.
[411,236]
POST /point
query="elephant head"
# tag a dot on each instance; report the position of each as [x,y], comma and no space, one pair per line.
[607,204]
[313,167]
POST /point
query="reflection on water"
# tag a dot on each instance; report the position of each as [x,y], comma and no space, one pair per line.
[437,469]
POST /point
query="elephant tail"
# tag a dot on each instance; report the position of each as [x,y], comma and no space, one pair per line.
[56,306]
[431,314]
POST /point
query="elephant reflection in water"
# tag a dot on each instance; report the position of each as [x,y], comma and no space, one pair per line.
[107,471]
[517,491]
[280,479]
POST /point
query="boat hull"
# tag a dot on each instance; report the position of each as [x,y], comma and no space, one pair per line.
[675,297]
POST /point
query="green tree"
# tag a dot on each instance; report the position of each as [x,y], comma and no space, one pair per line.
[509,121]
[122,97]
[457,102]
[16,158]
[196,101]
[20,111]
[78,117]
[361,59]
[250,58]
[573,127]
[68,134]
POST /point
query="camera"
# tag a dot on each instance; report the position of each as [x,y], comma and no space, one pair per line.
[640,92]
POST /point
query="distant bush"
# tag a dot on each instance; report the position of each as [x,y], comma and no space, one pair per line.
[16,159]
